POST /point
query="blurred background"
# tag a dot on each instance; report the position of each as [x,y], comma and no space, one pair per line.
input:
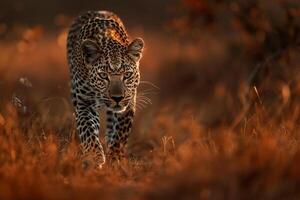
[210,68]
[216,60]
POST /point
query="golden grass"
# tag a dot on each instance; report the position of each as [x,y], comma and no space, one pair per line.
[259,161]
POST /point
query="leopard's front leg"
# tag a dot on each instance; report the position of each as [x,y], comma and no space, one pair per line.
[118,129]
[88,126]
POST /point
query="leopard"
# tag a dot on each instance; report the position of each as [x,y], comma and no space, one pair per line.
[104,74]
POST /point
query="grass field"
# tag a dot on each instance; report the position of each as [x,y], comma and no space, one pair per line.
[205,135]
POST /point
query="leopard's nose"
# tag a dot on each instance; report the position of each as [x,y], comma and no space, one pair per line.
[117,99]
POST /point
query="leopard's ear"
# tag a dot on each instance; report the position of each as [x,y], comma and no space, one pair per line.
[135,49]
[90,51]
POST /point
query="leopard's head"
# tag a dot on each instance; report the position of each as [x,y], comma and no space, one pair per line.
[113,70]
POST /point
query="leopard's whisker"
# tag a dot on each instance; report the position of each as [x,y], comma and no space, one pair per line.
[150,83]
[146,99]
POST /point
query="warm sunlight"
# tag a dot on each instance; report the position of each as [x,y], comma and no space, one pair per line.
[189,99]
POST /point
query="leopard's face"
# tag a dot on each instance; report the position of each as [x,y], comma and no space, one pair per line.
[114,72]
[117,88]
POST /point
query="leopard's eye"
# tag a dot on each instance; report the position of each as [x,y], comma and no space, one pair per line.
[103,75]
[128,74]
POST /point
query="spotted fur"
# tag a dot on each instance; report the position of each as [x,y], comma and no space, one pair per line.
[104,71]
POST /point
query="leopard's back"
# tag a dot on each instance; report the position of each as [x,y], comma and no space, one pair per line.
[94,25]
